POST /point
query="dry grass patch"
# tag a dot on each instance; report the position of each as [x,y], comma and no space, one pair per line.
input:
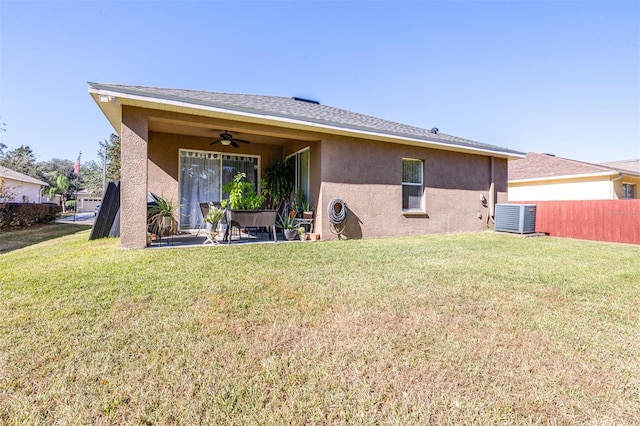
[479,328]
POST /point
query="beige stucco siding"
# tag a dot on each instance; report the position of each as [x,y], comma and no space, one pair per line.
[368,177]
[583,188]
[21,192]
[133,189]
[366,174]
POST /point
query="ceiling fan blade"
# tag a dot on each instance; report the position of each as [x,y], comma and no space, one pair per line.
[240,140]
[234,144]
[214,142]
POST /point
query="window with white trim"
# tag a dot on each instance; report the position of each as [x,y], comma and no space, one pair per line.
[628,191]
[412,171]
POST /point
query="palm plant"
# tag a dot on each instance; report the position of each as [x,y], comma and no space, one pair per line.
[161,215]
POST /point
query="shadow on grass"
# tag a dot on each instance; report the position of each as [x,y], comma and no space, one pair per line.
[14,240]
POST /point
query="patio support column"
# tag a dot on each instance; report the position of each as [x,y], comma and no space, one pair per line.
[133,181]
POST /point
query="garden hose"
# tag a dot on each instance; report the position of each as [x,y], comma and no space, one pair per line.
[337,212]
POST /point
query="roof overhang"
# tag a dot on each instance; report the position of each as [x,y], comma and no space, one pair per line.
[111,101]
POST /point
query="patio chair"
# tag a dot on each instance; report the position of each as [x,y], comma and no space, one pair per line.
[204,208]
[230,224]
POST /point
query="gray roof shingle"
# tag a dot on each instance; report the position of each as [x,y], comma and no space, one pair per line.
[21,177]
[290,108]
[633,165]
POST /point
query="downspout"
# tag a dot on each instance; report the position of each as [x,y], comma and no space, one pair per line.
[613,190]
[492,193]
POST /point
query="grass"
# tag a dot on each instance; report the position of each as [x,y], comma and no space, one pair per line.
[13,240]
[449,329]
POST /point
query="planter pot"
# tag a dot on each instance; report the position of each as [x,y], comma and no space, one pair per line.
[307,215]
[211,227]
[165,222]
[290,234]
[303,237]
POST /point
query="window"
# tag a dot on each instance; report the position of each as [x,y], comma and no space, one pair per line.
[628,191]
[202,176]
[412,185]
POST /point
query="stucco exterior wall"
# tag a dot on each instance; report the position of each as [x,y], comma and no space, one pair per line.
[600,189]
[21,192]
[133,182]
[368,177]
[626,179]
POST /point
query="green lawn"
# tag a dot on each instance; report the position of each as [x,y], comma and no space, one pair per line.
[449,329]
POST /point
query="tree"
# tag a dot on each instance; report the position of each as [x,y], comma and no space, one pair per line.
[48,171]
[91,173]
[21,159]
[5,191]
[61,188]
[110,150]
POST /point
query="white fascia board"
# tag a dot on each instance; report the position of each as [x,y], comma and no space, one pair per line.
[265,118]
[565,177]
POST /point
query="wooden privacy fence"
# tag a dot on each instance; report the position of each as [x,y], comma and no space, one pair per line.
[615,221]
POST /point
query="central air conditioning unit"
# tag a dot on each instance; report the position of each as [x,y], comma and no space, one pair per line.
[515,218]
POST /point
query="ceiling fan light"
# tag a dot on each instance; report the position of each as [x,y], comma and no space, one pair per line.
[225,142]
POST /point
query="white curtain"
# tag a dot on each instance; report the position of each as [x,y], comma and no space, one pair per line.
[202,176]
[199,183]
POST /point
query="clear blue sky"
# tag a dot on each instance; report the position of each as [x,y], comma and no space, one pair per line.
[557,77]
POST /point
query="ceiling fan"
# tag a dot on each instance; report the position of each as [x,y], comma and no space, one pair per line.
[227,139]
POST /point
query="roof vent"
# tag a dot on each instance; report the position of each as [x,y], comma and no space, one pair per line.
[310,101]
[434,130]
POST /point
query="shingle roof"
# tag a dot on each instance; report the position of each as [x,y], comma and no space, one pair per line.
[535,166]
[283,107]
[12,174]
[632,165]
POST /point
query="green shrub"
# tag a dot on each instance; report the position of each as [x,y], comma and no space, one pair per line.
[23,215]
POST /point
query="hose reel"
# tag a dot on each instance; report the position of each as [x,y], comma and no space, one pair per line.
[337,212]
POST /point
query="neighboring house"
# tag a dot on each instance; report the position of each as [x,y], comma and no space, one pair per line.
[87,202]
[544,177]
[21,187]
[395,179]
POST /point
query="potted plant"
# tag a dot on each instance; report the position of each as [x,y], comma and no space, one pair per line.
[242,194]
[303,233]
[161,216]
[213,217]
[307,211]
[287,224]
[278,182]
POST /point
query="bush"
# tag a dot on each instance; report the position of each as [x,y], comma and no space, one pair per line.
[23,215]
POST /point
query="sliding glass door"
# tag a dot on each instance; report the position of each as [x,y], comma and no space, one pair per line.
[202,176]
[302,166]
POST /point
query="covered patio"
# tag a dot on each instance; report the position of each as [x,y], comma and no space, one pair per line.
[191,154]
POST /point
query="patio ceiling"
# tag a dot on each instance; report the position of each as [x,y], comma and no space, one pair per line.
[213,130]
